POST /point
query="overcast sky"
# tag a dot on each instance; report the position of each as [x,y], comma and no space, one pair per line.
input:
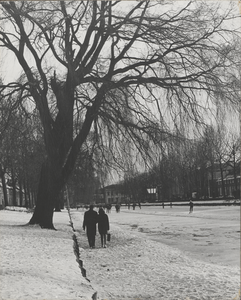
[10,69]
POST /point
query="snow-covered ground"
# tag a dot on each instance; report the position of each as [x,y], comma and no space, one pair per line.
[153,254]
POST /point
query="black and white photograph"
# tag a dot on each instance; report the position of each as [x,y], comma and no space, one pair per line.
[120,150]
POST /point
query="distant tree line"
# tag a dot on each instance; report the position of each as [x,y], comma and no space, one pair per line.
[21,150]
[188,166]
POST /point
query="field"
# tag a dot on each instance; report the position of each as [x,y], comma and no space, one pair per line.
[211,234]
[154,254]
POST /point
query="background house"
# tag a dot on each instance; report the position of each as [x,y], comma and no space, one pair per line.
[112,194]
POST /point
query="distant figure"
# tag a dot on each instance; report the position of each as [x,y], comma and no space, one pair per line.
[129,205]
[108,207]
[117,207]
[163,205]
[90,221]
[103,226]
[190,206]
[134,206]
[171,204]
[139,205]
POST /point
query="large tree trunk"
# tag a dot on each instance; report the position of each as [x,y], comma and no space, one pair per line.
[62,152]
[48,191]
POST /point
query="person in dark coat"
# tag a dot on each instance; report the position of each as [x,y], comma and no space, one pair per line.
[190,206]
[103,226]
[90,221]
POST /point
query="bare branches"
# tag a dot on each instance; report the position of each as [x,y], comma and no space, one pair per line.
[136,70]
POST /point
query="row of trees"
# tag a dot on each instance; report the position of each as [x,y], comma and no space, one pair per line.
[21,150]
[22,154]
[185,166]
[116,78]
[189,166]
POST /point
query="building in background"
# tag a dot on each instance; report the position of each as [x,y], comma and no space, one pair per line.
[112,194]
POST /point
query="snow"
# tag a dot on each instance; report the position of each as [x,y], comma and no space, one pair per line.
[154,254]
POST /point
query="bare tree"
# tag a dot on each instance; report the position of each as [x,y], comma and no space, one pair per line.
[221,149]
[8,133]
[234,152]
[123,70]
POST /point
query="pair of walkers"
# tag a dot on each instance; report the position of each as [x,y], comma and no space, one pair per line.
[91,218]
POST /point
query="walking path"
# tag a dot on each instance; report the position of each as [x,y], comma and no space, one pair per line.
[136,268]
[40,264]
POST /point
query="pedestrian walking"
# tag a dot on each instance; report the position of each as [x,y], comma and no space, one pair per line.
[117,207]
[90,221]
[190,206]
[108,207]
[103,226]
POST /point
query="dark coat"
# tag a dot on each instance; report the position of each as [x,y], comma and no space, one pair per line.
[103,223]
[90,220]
